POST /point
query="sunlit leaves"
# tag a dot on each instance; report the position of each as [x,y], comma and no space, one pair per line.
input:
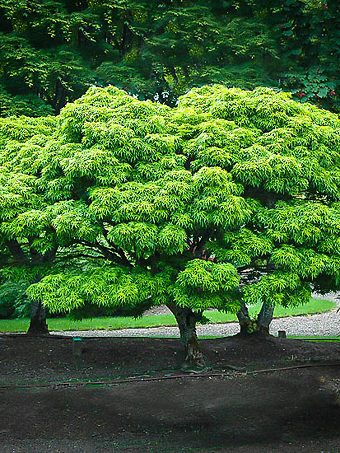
[140,238]
[305,262]
[303,222]
[144,239]
[241,247]
[279,287]
[201,280]
[96,163]
[172,239]
[17,194]
[104,286]
[208,276]
[72,221]
[230,194]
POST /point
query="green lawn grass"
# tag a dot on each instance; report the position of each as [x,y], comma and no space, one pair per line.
[291,337]
[62,324]
[332,339]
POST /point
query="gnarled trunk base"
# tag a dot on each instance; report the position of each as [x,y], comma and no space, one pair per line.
[252,328]
[193,352]
[186,320]
[258,327]
[38,325]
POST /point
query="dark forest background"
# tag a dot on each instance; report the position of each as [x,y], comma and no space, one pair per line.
[51,51]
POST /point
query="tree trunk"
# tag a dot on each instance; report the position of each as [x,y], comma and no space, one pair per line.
[264,318]
[38,325]
[260,326]
[244,320]
[186,320]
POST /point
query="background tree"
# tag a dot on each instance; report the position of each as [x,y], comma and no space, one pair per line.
[229,199]
[308,33]
[51,51]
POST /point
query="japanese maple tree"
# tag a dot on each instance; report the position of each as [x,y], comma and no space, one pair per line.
[229,199]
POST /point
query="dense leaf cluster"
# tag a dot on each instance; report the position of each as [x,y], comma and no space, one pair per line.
[230,197]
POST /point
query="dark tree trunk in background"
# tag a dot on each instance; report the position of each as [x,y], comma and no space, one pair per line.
[186,320]
[260,326]
[38,325]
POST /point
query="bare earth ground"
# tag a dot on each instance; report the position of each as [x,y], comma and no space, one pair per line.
[286,411]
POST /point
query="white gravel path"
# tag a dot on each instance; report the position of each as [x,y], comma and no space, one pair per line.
[326,324]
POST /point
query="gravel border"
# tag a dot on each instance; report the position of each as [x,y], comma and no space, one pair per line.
[323,324]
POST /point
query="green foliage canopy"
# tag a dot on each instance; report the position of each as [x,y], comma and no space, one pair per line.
[230,197]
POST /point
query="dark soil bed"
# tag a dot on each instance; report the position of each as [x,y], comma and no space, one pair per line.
[286,411]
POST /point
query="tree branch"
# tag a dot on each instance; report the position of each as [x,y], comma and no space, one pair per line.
[15,249]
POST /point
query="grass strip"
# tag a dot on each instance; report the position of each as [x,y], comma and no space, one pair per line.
[168,320]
